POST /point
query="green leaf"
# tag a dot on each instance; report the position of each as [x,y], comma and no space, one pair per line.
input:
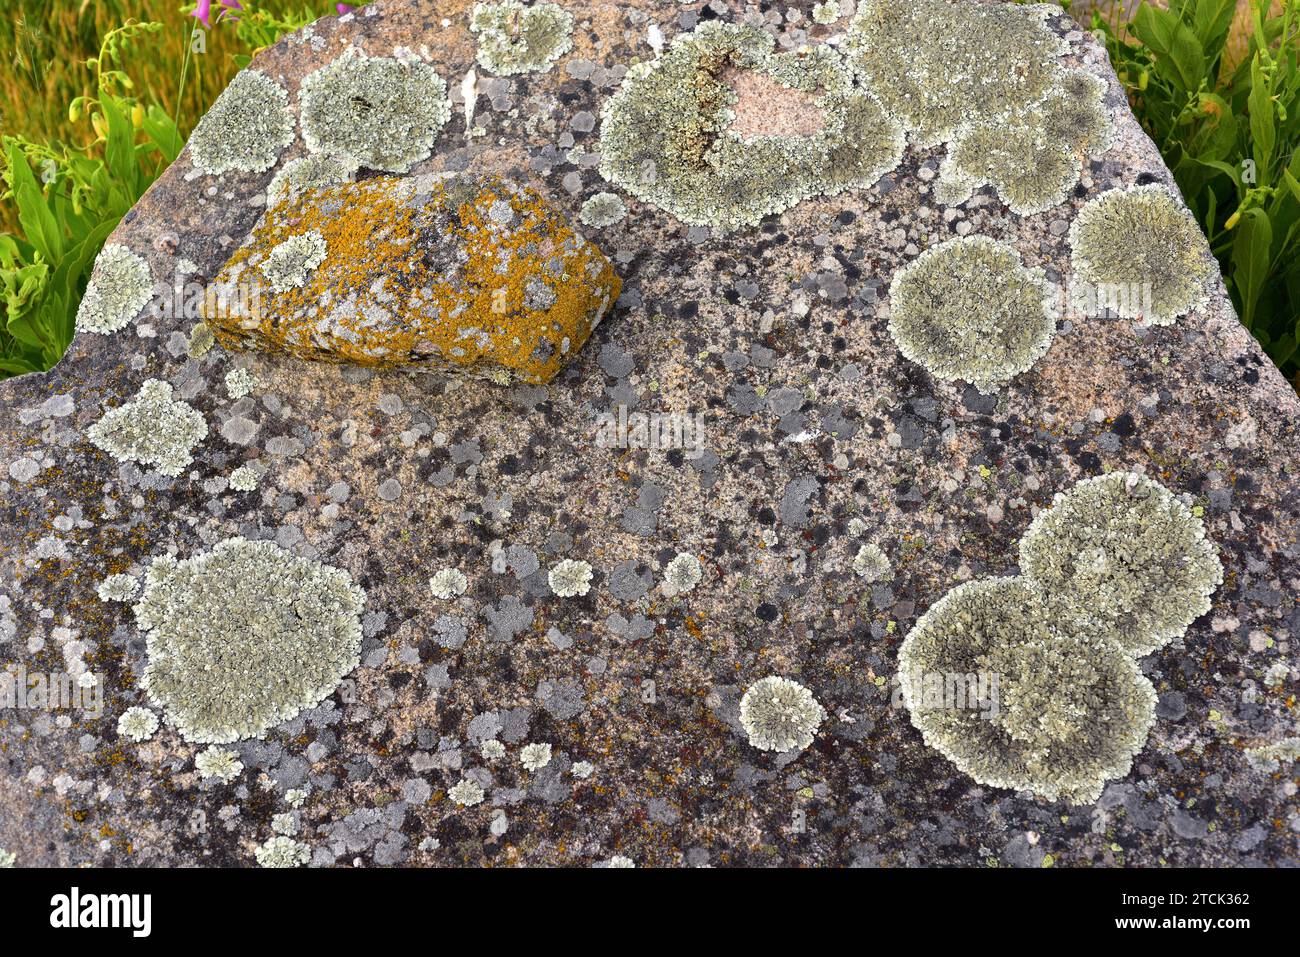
[119,151]
[1263,133]
[1180,59]
[34,215]
[1251,260]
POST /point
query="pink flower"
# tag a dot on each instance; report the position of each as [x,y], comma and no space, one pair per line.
[203,11]
[343,8]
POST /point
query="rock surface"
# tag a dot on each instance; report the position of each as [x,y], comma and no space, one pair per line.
[493,721]
[455,274]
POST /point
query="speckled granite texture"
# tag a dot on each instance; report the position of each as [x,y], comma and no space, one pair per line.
[616,712]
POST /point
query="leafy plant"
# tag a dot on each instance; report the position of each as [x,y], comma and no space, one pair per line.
[1228,125]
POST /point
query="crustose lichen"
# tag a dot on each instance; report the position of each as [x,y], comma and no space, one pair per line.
[245,129]
[153,429]
[666,135]
[1142,254]
[1121,553]
[379,112]
[120,287]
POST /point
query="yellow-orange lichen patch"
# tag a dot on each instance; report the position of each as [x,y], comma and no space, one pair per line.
[477,275]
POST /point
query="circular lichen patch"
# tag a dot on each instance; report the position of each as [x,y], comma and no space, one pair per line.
[1141,252]
[245,129]
[383,113]
[513,38]
[1016,700]
[667,135]
[120,287]
[244,637]
[1119,553]
[967,310]
[780,715]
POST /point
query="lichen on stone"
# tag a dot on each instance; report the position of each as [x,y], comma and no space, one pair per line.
[780,715]
[466,793]
[383,113]
[603,209]
[826,13]
[218,764]
[871,563]
[120,287]
[666,135]
[117,588]
[308,172]
[461,274]
[282,851]
[245,478]
[137,724]
[7,858]
[240,382]
[290,264]
[514,38]
[570,578]
[987,80]
[682,574]
[447,583]
[201,341]
[245,636]
[1070,709]
[535,756]
[153,429]
[1121,554]
[1271,757]
[245,129]
[1145,244]
[968,310]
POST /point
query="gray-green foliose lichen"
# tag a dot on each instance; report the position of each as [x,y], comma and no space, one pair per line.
[514,38]
[308,172]
[780,715]
[967,310]
[666,136]
[152,429]
[120,287]
[1070,709]
[244,637]
[1115,569]
[383,113]
[1121,554]
[246,129]
[987,80]
[603,209]
[1140,252]
[291,263]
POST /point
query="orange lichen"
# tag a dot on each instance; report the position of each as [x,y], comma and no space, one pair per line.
[421,271]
